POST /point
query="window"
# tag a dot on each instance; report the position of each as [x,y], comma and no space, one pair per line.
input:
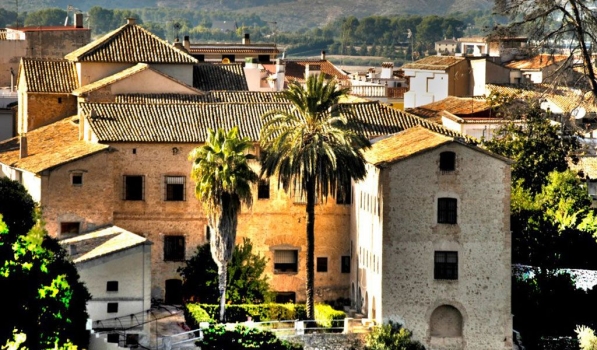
[285,297]
[447,161]
[344,194]
[345,265]
[76,179]
[322,264]
[134,187]
[285,261]
[446,210]
[112,286]
[112,308]
[175,188]
[174,249]
[446,265]
[113,338]
[263,189]
[69,227]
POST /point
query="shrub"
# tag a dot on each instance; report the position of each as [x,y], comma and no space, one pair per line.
[217,337]
[586,338]
[326,315]
[391,336]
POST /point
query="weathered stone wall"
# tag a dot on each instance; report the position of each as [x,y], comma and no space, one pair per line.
[269,223]
[395,245]
[43,109]
[481,237]
[329,341]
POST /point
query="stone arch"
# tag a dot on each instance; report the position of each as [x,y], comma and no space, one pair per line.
[446,321]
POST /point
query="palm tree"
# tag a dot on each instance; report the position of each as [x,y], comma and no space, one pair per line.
[313,148]
[223,182]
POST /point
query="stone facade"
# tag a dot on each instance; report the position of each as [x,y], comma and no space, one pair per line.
[397,237]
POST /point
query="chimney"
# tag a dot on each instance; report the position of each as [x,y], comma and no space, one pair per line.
[81,126]
[23,145]
[177,44]
[78,20]
[131,20]
[247,39]
[186,43]
[323,55]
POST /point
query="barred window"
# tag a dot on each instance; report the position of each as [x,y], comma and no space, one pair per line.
[446,265]
[447,209]
[285,261]
[134,187]
[174,248]
[175,188]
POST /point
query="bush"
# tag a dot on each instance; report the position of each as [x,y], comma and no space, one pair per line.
[391,336]
[217,337]
[326,315]
[586,338]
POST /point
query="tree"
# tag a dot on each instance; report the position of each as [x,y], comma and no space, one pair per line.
[535,145]
[567,25]
[246,283]
[314,149]
[46,17]
[223,182]
[17,207]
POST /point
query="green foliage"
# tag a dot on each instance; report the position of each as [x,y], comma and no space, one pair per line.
[326,315]
[47,300]
[536,146]
[46,17]
[391,336]
[246,281]
[17,208]
[218,337]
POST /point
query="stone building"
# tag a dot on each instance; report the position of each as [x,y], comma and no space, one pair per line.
[121,159]
[430,235]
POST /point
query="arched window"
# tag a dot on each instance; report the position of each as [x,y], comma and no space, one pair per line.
[447,161]
[446,322]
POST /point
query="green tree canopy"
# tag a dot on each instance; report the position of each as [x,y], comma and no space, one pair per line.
[312,150]
[246,282]
[17,207]
[46,17]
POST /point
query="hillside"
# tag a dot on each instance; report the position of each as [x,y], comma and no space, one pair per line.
[288,14]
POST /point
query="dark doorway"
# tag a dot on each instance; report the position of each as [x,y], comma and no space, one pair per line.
[173,292]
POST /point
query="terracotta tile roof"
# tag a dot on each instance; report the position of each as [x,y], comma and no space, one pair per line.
[537,62]
[404,144]
[47,147]
[434,63]
[139,67]
[119,122]
[101,242]
[208,97]
[51,28]
[295,70]
[219,76]
[459,105]
[47,75]
[233,48]
[131,44]
[565,98]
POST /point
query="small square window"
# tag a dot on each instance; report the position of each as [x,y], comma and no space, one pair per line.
[69,227]
[447,161]
[112,308]
[447,210]
[112,286]
[76,179]
[263,189]
[285,261]
[322,264]
[174,248]
[133,187]
[446,265]
[345,266]
[175,188]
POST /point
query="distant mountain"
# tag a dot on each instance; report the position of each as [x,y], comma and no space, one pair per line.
[288,14]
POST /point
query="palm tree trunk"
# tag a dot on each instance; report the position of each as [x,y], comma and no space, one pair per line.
[223,276]
[310,248]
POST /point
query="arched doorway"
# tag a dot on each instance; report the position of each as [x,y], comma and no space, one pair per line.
[173,292]
[446,322]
